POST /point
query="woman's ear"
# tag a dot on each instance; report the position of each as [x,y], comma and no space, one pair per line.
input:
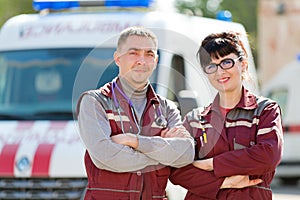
[244,65]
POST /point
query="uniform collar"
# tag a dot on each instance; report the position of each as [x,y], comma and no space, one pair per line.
[150,94]
[247,102]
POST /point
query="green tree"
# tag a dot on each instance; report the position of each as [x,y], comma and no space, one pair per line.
[243,11]
[9,8]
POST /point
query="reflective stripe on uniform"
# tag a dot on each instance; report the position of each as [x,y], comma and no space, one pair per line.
[117,118]
[242,123]
[198,125]
[267,130]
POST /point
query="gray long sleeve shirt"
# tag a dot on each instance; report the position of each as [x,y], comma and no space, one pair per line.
[95,132]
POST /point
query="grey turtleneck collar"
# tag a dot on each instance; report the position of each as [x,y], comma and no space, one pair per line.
[131,92]
[136,96]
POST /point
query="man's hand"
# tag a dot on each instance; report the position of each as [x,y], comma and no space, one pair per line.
[127,139]
[178,131]
[239,181]
[206,164]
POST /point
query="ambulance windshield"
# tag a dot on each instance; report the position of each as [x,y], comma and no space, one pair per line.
[46,83]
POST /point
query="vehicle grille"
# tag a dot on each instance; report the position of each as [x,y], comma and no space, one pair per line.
[42,188]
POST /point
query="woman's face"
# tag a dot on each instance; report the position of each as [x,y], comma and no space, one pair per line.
[227,80]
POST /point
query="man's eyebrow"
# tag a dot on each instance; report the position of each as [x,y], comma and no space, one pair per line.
[140,49]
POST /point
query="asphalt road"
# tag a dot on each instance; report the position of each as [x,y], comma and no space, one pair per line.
[280,192]
[285,192]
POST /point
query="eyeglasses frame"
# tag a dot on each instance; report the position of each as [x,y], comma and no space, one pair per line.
[219,65]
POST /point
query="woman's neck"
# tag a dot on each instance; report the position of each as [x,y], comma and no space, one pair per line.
[230,99]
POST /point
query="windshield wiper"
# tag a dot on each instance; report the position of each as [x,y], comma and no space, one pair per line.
[11,117]
[54,115]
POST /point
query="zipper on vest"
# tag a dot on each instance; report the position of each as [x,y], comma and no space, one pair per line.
[142,116]
[130,129]
[142,185]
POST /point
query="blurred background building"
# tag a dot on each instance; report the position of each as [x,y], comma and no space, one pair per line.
[278,36]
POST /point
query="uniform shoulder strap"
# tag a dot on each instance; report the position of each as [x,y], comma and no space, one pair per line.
[104,100]
[262,102]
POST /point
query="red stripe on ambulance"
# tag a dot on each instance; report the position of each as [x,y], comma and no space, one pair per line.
[7,159]
[41,161]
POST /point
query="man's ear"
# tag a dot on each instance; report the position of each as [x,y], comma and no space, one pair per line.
[117,58]
[156,60]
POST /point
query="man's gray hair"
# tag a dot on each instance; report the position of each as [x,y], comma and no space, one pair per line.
[137,31]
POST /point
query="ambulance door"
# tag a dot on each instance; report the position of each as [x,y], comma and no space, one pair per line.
[177,88]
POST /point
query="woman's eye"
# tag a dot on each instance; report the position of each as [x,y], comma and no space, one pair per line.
[227,62]
[209,67]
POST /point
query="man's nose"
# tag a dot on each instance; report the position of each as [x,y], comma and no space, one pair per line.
[141,59]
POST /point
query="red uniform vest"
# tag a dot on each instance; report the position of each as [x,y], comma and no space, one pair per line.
[235,133]
[146,184]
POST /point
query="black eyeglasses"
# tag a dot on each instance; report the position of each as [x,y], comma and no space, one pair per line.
[224,64]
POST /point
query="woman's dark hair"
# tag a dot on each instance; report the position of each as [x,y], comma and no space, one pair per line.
[218,45]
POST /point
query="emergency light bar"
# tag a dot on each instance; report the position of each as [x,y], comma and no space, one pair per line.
[224,15]
[39,5]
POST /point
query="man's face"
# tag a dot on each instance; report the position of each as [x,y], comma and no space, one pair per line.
[136,58]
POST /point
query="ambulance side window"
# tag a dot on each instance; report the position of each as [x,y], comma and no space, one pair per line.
[281,97]
[177,78]
[3,71]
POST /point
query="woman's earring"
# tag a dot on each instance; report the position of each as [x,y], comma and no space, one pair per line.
[245,75]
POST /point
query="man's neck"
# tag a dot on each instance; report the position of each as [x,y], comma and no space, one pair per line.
[131,91]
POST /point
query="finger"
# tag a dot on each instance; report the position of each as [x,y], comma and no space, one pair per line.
[182,133]
[164,132]
[255,182]
[173,130]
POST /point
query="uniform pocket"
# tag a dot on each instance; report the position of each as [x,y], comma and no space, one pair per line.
[241,143]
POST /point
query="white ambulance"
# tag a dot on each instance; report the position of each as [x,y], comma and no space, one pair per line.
[284,88]
[48,59]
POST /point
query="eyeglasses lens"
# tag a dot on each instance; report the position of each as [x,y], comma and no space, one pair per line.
[225,64]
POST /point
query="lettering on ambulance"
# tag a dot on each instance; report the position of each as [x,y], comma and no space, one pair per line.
[33,142]
[39,30]
[25,125]
[40,132]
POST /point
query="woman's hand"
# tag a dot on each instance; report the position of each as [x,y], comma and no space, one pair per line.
[239,181]
[127,139]
[206,164]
